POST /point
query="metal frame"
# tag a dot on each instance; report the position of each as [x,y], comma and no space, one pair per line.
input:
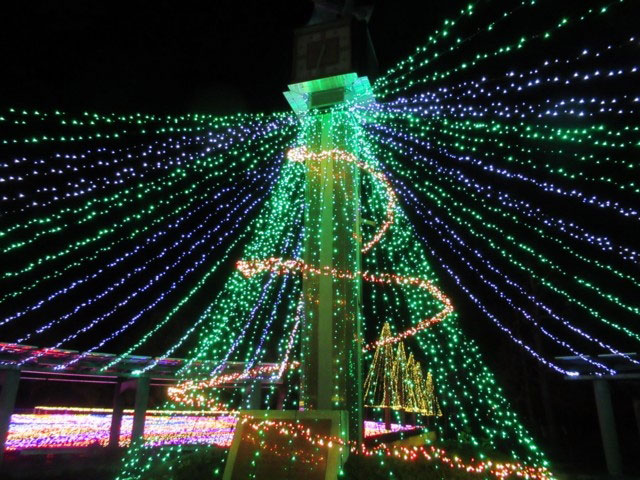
[580,370]
[26,362]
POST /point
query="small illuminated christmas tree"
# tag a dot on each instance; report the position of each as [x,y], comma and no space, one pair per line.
[395,382]
[420,395]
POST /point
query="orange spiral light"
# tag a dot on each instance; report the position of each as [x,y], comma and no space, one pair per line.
[282,266]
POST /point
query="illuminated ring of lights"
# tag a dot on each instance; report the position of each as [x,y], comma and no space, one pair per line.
[281,266]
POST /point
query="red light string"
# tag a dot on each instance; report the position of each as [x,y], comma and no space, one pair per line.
[498,470]
[182,392]
[279,266]
[299,154]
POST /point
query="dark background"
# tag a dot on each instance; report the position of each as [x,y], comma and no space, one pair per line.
[161,56]
[231,56]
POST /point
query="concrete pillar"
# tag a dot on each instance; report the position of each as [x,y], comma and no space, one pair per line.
[413,419]
[116,414]
[10,381]
[253,395]
[140,408]
[331,337]
[282,395]
[387,419]
[607,427]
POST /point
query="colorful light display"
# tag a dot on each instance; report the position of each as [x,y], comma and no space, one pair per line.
[499,156]
[80,430]
[90,428]
[281,267]
[72,427]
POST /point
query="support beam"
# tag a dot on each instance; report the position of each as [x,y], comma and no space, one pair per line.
[413,419]
[282,395]
[140,408]
[608,427]
[10,383]
[116,414]
[253,395]
[636,412]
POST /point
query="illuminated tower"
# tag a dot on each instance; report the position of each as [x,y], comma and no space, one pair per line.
[331,338]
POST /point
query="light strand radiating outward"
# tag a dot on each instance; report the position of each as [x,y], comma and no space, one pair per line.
[72,427]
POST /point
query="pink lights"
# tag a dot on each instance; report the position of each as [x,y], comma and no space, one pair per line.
[90,427]
[78,430]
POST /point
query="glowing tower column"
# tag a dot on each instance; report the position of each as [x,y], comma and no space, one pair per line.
[331,335]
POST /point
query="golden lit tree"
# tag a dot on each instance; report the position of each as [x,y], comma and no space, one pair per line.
[396,382]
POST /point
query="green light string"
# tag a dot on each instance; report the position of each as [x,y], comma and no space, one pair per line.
[506,48]
[416,176]
[447,28]
[440,345]
[443,202]
[82,128]
[272,230]
[488,137]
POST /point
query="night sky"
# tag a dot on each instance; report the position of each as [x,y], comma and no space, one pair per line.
[161,56]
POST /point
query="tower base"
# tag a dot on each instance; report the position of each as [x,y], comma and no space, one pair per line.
[290,444]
